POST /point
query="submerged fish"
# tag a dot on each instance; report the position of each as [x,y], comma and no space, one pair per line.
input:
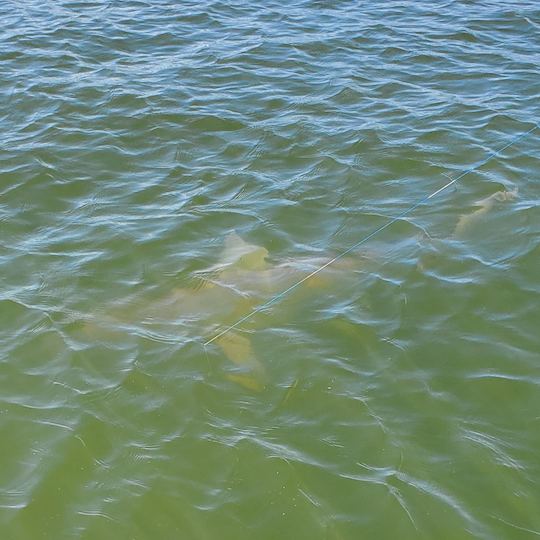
[468,221]
[467,225]
[220,295]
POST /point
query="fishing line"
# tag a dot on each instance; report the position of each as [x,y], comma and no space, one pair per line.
[284,293]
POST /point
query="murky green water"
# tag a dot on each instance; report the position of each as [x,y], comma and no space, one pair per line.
[151,151]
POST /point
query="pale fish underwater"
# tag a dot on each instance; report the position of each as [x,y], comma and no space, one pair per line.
[467,222]
[470,227]
[217,297]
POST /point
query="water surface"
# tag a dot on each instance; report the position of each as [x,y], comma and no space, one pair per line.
[398,399]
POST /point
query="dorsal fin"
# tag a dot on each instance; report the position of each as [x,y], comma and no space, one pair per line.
[239,253]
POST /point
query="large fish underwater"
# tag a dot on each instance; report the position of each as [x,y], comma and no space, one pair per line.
[468,226]
[217,297]
[467,222]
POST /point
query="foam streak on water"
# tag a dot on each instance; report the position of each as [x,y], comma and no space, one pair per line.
[151,154]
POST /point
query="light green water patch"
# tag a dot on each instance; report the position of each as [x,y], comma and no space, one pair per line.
[394,395]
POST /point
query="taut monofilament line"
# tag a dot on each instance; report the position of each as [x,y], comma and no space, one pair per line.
[284,293]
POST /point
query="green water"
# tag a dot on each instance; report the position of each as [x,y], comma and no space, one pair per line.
[396,396]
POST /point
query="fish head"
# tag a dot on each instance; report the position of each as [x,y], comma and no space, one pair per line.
[498,196]
[504,196]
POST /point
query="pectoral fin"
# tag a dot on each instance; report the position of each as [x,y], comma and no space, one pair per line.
[238,349]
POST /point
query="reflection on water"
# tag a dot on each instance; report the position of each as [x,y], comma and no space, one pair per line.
[393,395]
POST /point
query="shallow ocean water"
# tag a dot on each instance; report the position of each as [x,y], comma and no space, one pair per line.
[398,399]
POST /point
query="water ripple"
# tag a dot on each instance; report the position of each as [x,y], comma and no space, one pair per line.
[389,398]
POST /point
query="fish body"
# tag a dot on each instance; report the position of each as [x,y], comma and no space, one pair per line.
[468,221]
[219,296]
